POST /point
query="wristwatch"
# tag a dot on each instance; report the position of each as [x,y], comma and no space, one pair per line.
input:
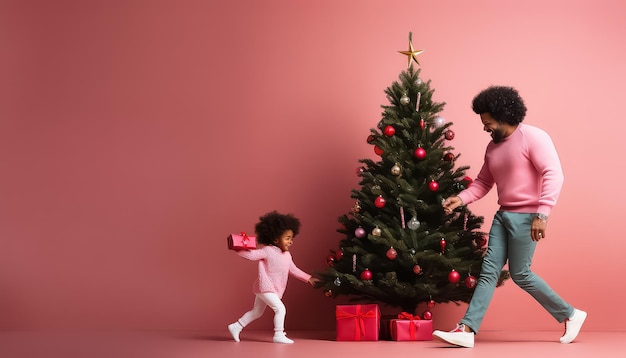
[541,216]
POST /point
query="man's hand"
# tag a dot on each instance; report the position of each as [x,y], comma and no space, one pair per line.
[451,203]
[538,229]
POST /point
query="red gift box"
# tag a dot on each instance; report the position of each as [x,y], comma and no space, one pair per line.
[241,242]
[357,322]
[409,328]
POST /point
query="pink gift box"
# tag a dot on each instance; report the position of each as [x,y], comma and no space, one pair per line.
[241,242]
[411,330]
[357,322]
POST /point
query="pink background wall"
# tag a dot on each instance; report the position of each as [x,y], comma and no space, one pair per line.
[136,135]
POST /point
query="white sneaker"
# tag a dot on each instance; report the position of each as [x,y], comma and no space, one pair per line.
[457,337]
[235,329]
[573,326]
[280,337]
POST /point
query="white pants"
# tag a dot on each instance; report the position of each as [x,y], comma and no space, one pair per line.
[261,301]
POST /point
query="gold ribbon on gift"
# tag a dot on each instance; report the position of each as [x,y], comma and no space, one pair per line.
[359,327]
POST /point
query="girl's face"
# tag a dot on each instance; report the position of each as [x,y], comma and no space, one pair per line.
[285,240]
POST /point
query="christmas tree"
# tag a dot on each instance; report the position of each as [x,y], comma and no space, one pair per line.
[400,248]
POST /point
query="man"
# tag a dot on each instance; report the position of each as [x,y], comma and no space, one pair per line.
[522,162]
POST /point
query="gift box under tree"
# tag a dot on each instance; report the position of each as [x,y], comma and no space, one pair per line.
[357,322]
[411,328]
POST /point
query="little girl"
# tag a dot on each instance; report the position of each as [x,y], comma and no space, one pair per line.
[276,232]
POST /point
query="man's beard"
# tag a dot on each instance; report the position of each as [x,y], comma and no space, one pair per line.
[497,135]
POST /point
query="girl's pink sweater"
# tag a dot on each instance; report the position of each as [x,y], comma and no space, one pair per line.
[275,266]
[526,170]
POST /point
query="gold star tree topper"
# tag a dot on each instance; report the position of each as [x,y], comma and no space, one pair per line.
[411,53]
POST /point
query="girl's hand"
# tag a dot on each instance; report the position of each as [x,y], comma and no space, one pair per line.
[314,281]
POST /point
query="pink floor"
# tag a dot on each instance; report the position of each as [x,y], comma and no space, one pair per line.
[257,344]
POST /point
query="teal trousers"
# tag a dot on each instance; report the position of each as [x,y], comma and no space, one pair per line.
[509,239]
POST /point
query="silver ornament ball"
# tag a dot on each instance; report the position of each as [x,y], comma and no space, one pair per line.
[413,224]
[405,99]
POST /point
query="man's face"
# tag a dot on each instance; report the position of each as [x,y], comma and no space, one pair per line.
[493,127]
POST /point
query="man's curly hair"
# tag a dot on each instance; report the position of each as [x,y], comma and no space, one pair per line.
[273,224]
[503,103]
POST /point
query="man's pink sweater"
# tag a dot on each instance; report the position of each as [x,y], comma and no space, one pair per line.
[526,170]
[275,266]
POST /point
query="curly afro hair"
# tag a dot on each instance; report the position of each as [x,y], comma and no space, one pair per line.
[504,104]
[273,224]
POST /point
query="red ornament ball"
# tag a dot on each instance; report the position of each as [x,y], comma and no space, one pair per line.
[330,260]
[448,157]
[360,170]
[366,275]
[339,255]
[420,153]
[454,276]
[370,138]
[392,253]
[427,315]
[380,202]
[480,241]
[433,186]
[378,150]
[442,244]
[449,135]
[470,281]
[431,304]
[468,181]
[417,269]
[389,131]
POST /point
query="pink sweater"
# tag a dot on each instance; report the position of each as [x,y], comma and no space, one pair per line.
[274,269]
[526,170]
